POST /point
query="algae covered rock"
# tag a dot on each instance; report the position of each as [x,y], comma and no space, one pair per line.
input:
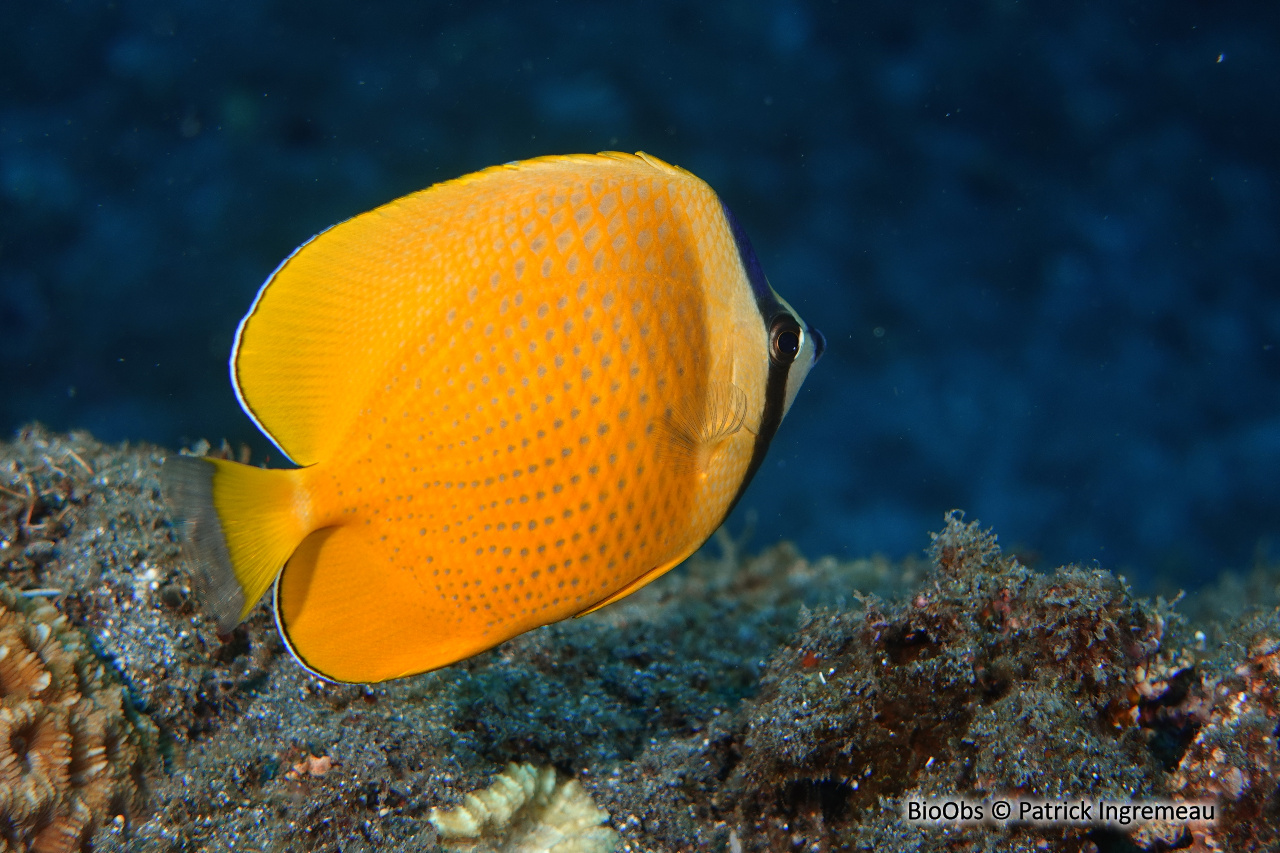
[991,678]
[987,679]
[1234,758]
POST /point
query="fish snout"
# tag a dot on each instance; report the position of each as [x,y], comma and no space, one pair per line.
[819,343]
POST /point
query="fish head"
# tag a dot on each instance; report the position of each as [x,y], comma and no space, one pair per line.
[794,345]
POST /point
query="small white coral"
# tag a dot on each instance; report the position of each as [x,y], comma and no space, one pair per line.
[526,810]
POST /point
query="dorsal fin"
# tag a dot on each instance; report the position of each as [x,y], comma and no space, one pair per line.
[327,325]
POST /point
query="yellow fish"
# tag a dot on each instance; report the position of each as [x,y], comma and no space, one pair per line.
[515,397]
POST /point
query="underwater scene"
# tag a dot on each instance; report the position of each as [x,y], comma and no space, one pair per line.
[738,426]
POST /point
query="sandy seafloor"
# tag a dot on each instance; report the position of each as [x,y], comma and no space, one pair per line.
[744,702]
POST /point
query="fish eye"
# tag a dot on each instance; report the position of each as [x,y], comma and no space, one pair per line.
[784,339]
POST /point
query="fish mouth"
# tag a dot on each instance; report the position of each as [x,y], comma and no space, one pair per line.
[819,343]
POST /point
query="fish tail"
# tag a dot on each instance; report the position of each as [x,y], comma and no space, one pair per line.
[239,525]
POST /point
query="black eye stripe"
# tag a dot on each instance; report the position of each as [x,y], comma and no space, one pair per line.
[771,310]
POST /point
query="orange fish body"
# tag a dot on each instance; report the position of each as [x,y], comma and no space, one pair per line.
[515,397]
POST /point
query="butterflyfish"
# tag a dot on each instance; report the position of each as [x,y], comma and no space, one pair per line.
[513,397]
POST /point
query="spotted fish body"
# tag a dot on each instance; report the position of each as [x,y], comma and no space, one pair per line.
[515,397]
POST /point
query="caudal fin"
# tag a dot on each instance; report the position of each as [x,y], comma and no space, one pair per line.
[238,524]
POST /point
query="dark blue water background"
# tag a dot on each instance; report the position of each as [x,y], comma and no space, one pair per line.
[1041,237]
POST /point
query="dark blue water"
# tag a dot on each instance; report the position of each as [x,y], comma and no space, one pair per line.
[1041,238]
